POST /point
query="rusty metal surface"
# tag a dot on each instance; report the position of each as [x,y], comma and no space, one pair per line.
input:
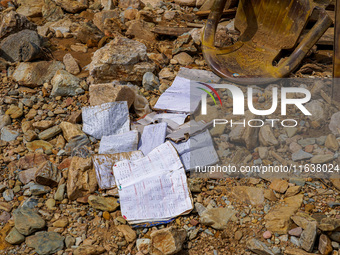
[267,27]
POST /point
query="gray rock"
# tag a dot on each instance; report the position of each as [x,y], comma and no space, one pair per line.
[294,240]
[301,155]
[27,221]
[334,124]
[22,46]
[36,73]
[317,109]
[8,195]
[38,189]
[14,237]
[335,236]
[307,141]
[321,159]
[8,134]
[150,81]
[258,247]
[5,120]
[121,59]
[59,194]
[65,84]
[308,237]
[46,243]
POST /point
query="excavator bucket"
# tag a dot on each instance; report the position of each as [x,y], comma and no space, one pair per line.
[267,27]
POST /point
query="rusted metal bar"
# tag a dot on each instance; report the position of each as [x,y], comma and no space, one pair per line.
[336,57]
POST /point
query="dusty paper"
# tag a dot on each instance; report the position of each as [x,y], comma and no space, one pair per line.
[153,136]
[198,150]
[154,187]
[119,143]
[106,119]
[103,166]
[182,96]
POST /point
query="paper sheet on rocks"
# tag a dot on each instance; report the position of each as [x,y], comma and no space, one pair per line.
[153,188]
[103,164]
[119,143]
[183,95]
[106,119]
[198,150]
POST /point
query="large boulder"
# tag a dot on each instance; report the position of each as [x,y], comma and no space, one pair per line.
[121,59]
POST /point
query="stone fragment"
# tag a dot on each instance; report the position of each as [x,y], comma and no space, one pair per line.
[8,195]
[105,93]
[266,136]
[295,232]
[140,29]
[325,245]
[217,218]
[321,159]
[129,234]
[144,245]
[334,124]
[70,130]
[14,112]
[65,84]
[331,142]
[109,204]
[150,81]
[168,240]
[14,237]
[278,219]
[27,221]
[116,61]
[5,120]
[317,110]
[43,124]
[3,233]
[292,191]
[88,31]
[31,160]
[61,223]
[13,22]
[37,144]
[184,59]
[89,250]
[308,237]
[30,8]
[251,195]
[71,64]
[258,247]
[47,174]
[8,134]
[301,155]
[36,73]
[279,185]
[81,179]
[59,194]
[22,46]
[49,133]
[71,5]
[46,243]
[51,12]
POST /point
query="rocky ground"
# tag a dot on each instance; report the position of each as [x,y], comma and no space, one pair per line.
[54,53]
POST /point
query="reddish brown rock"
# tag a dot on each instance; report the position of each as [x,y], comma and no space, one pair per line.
[81,179]
[31,160]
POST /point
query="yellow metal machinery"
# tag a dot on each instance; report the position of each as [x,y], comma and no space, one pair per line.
[267,28]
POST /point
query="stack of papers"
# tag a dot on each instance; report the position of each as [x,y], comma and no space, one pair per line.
[153,188]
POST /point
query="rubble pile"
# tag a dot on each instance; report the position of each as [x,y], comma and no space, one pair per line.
[79,77]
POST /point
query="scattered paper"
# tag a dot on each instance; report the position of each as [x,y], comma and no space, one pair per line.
[119,143]
[198,150]
[106,119]
[153,136]
[103,166]
[154,187]
[188,129]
